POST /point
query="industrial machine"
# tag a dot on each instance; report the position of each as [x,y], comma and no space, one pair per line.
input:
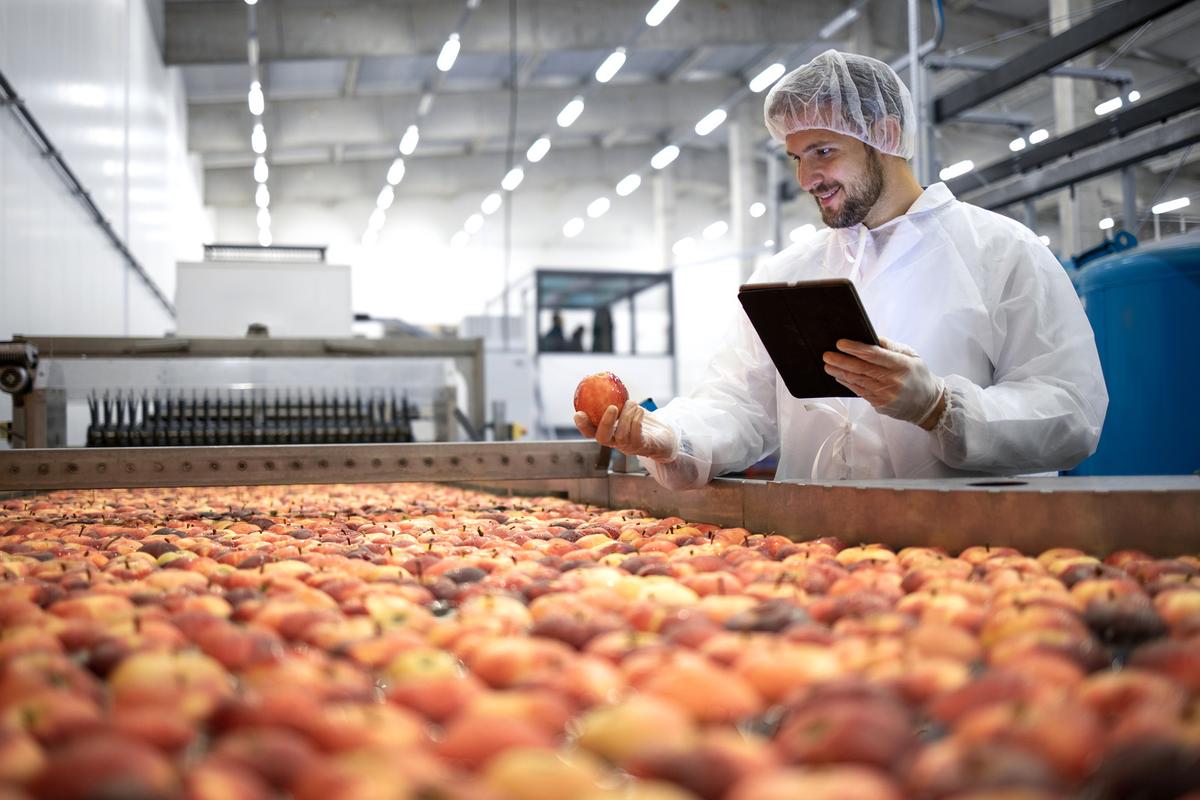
[106,392]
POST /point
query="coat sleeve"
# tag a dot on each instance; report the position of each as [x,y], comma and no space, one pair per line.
[1046,405]
[729,422]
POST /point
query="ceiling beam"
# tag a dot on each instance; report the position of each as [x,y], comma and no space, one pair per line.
[214,31]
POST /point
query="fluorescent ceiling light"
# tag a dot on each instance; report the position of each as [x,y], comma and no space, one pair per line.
[537,151]
[262,196]
[370,237]
[665,156]
[1017,144]
[445,59]
[684,247]
[1171,205]
[396,172]
[716,230]
[376,220]
[1044,240]
[1109,106]
[611,65]
[840,21]
[757,210]
[573,227]
[803,232]
[251,2]
[1040,135]
[513,179]
[260,170]
[425,104]
[408,142]
[473,223]
[1106,223]
[629,184]
[769,243]
[767,77]
[710,122]
[459,240]
[1134,96]
[570,113]
[598,207]
[491,203]
[264,237]
[255,99]
[956,169]
[263,218]
[258,139]
[659,11]
[386,195]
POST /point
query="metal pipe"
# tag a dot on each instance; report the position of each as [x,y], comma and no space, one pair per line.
[1129,199]
[914,84]
[774,217]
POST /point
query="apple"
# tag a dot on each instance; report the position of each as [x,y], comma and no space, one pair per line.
[837,782]
[621,731]
[106,766]
[535,773]
[221,779]
[826,726]
[950,767]
[597,392]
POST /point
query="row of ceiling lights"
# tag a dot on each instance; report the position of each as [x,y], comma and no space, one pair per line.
[662,158]
[571,112]
[412,134]
[258,134]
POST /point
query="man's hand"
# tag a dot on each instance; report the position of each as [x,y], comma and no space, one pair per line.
[632,430]
[892,378]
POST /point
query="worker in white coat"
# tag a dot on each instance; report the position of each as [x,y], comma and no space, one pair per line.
[998,373]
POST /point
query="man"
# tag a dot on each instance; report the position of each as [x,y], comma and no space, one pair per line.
[1007,381]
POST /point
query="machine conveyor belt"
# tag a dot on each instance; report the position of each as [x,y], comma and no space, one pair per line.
[1159,515]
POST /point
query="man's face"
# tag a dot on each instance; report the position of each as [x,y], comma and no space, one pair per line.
[843,175]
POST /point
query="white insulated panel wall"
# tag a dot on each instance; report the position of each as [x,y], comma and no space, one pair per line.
[92,74]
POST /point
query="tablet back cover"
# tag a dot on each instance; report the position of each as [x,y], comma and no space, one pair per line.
[799,322]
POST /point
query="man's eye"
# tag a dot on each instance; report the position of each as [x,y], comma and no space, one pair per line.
[824,151]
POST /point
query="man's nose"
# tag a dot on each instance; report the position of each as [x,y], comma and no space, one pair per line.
[809,178]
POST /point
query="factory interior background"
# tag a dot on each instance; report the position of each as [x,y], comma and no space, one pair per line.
[437,163]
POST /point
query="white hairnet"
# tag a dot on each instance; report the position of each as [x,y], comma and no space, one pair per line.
[845,93]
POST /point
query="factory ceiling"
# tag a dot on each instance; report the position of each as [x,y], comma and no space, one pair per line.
[343,80]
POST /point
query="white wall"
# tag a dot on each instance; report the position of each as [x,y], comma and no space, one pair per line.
[91,73]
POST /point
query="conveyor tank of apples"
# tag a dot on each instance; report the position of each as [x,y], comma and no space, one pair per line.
[324,620]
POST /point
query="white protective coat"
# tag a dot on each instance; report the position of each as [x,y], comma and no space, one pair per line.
[977,295]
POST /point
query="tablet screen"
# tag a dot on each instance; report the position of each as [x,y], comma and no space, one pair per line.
[799,322]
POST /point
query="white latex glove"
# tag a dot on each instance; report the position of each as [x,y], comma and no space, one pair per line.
[633,430]
[892,378]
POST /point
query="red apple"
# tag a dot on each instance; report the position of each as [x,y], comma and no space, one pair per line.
[597,392]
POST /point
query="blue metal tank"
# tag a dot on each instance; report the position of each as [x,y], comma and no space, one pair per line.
[1144,305]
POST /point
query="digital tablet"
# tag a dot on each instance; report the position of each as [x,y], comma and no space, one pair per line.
[799,322]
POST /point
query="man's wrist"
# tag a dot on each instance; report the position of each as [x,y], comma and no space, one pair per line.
[931,419]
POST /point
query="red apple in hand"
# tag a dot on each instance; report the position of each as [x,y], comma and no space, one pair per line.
[596,393]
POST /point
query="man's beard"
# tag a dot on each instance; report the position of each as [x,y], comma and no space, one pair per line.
[857,201]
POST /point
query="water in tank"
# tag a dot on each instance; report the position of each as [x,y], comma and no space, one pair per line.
[1144,305]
